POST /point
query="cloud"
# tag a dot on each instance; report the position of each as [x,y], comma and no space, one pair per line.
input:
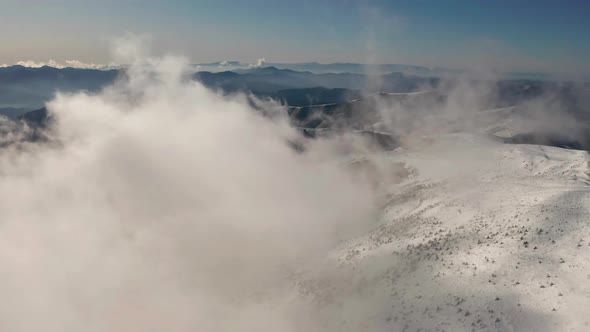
[61,65]
[259,63]
[34,64]
[159,205]
[80,64]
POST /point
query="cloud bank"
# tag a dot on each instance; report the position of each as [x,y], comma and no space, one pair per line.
[159,205]
[61,65]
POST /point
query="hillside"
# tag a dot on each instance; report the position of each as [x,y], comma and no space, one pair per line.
[474,236]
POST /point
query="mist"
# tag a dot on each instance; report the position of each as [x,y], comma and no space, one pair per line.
[157,204]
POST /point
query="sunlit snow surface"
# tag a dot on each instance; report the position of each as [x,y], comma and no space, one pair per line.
[478,236]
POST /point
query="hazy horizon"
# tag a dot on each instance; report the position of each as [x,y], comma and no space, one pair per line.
[540,36]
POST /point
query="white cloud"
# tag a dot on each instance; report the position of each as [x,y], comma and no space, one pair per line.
[79,64]
[61,65]
[166,207]
[259,63]
[34,64]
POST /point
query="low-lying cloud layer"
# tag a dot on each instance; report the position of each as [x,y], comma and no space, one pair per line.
[159,205]
[60,65]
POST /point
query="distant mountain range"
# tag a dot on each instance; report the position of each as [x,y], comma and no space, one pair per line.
[29,88]
[317,102]
[25,88]
[333,68]
[421,114]
[359,68]
[270,80]
[296,88]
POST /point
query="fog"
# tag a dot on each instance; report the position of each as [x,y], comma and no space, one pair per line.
[159,205]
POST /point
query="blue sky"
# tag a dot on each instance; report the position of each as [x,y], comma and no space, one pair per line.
[515,34]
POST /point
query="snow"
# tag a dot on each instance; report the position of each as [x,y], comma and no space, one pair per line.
[478,236]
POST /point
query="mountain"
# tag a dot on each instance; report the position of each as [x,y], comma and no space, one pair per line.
[345,101]
[322,68]
[271,79]
[472,236]
[359,68]
[30,88]
[313,96]
[420,114]
[365,111]
[36,118]
[16,74]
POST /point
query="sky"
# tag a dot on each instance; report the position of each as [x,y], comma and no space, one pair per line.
[518,35]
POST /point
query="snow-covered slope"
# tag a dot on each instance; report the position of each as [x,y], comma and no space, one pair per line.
[478,236]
